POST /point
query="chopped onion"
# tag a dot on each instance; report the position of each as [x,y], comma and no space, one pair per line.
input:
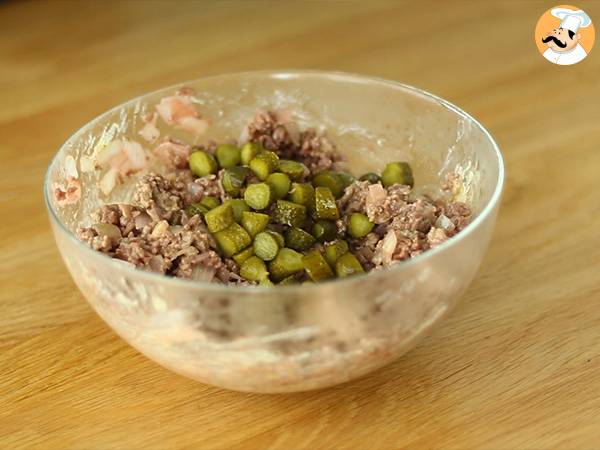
[107,229]
[109,152]
[71,167]
[135,154]
[445,223]
[193,124]
[109,181]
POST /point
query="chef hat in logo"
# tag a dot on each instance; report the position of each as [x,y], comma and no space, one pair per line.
[571,19]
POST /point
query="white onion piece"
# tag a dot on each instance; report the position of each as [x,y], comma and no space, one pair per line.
[109,181]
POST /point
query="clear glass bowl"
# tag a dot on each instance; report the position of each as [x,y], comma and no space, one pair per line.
[292,338]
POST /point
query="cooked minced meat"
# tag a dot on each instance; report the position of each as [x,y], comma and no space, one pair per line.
[166,228]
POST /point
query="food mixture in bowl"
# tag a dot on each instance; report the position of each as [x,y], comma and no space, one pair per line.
[278,207]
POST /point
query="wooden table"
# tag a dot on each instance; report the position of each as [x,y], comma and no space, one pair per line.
[517,365]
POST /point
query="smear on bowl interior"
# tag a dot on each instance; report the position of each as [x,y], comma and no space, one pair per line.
[279,207]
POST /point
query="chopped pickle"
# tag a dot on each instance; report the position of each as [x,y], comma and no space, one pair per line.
[264,164]
[397,173]
[233,180]
[289,213]
[347,265]
[359,225]
[334,250]
[210,201]
[288,280]
[316,266]
[293,169]
[371,178]
[259,195]
[254,222]
[298,239]
[286,263]
[325,206]
[242,256]
[202,163]
[239,206]
[266,245]
[249,151]
[280,183]
[219,218]
[195,208]
[254,269]
[347,178]
[232,240]
[303,194]
[324,230]
[228,156]
[330,180]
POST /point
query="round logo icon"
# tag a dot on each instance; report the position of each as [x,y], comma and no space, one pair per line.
[565,35]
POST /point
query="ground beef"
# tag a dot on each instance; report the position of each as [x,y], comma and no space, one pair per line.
[98,242]
[458,213]
[173,153]
[317,152]
[309,147]
[405,226]
[436,236]
[266,128]
[354,198]
[155,233]
[186,251]
[162,198]
[364,249]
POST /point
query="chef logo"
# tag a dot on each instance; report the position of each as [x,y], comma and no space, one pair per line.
[564,35]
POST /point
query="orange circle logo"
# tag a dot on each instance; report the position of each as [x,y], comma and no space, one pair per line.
[565,35]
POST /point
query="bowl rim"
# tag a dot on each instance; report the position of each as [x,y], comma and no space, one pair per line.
[286,74]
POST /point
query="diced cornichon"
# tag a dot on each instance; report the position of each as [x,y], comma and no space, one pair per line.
[249,151]
[266,245]
[397,173]
[259,195]
[289,213]
[228,156]
[347,265]
[325,206]
[280,183]
[298,239]
[210,201]
[331,180]
[286,263]
[370,177]
[347,178]
[196,208]
[293,169]
[359,225]
[316,266]
[279,237]
[254,269]
[264,164]
[334,250]
[324,230]
[219,218]
[239,206]
[288,280]
[303,194]
[202,163]
[242,256]
[233,180]
[254,222]
[232,240]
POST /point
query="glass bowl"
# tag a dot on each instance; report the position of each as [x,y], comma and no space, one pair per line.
[292,338]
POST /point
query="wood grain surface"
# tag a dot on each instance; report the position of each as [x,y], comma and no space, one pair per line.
[517,365]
